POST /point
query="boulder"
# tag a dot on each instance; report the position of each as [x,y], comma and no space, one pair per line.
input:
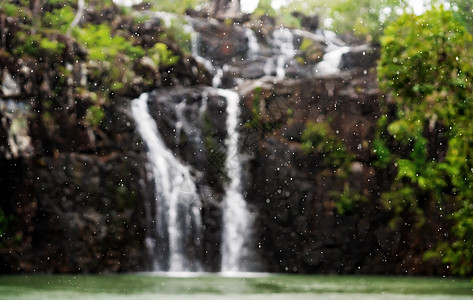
[363,56]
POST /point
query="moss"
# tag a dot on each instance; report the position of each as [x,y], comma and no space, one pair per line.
[10,9]
[267,113]
[310,52]
[178,34]
[346,200]
[162,56]
[94,115]
[319,138]
[60,18]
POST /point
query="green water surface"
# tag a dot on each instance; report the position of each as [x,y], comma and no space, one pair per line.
[257,286]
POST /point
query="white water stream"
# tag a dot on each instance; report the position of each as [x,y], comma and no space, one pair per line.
[237,220]
[283,44]
[253,46]
[177,220]
[333,55]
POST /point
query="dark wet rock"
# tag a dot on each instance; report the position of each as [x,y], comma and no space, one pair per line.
[220,42]
[311,47]
[309,22]
[294,192]
[250,69]
[85,214]
[360,57]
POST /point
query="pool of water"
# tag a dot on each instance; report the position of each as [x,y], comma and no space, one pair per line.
[227,286]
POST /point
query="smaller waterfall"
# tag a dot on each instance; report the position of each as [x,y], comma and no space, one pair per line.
[237,220]
[195,40]
[216,72]
[167,18]
[217,79]
[333,55]
[331,61]
[283,43]
[253,46]
[178,220]
[15,116]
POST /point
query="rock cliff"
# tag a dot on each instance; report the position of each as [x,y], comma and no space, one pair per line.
[78,195]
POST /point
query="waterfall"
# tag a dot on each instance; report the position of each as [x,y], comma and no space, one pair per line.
[253,46]
[283,43]
[176,241]
[195,40]
[15,119]
[217,73]
[331,61]
[177,218]
[333,55]
[237,220]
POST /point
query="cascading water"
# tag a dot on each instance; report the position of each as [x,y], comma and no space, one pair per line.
[237,220]
[217,73]
[253,46]
[177,219]
[333,55]
[174,186]
[283,43]
[177,245]
[15,115]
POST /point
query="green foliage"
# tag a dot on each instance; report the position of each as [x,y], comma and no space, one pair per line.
[50,46]
[322,8]
[426,65]
[365,18]
[103,46]
[111,65]
[173,7]
[37,45]
[255,107]
[59,18]
[425,55]
[362,18]
[94,115]
[288,20]
[264,8]
[10,9]
[162,56]
[463,12]
[310,51]
[346,200]
[318,138]
[383,154]
[177,31]
[401,199]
